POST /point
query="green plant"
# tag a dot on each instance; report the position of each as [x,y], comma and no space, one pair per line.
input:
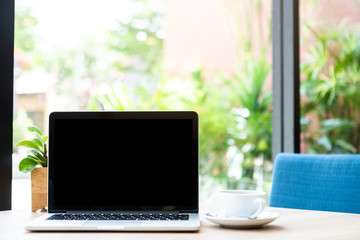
[138,41]
[252,110]
[211,99]
[38,151]
[331,79]
[218,100]
[208,97]
[25,25]
[251,99]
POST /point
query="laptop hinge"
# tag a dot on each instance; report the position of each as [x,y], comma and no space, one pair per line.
[189,211]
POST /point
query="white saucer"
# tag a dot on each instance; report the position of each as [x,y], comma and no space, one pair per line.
[264,218]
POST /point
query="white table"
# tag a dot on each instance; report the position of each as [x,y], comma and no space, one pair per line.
[292,224]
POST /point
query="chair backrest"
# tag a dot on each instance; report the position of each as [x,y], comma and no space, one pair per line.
[325,182]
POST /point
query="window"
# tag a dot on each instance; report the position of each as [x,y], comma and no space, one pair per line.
[286,110]
[148,55]
[330,76]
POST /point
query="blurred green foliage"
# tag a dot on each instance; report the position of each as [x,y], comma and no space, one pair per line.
[209,99]
[21,120]
[252,107]
[24,28]
[139,40]
[221,104]
[331,106]
[235,110]
[126,72]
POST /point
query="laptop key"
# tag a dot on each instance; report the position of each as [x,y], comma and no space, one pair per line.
[127,217]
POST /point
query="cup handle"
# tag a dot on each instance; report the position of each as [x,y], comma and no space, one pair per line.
[260,203]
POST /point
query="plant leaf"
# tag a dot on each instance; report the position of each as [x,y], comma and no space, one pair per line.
[27,165]
[28,144]
[38,160]
[44,138]
[37,142]
[348,147]
[325,142]
[34,130]
[330,124]
[39,155]
[33,158]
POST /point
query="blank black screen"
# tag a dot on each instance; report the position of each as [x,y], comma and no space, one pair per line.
[123,164]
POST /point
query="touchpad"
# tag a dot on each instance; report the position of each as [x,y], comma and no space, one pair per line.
[111,223]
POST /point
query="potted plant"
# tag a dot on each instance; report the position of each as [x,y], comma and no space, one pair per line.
[36,163]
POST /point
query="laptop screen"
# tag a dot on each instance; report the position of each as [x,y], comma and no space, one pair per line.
[123,161]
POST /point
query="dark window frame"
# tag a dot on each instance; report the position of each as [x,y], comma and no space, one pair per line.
[6,100]
[286,79]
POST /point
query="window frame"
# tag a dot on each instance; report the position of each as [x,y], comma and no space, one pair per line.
[286,127]
[286,78]
[6,100]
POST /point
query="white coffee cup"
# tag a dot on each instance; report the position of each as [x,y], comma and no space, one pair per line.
[241,203]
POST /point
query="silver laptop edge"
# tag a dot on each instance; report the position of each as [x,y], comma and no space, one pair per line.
[42,223]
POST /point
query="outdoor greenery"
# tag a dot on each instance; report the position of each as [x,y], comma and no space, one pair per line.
[24,42]
[252,108]
[192,93]
[19,130]
[231,114]
[24,28]
[37,155]
[126,72]
[138,43]
[235,110]
[330,109]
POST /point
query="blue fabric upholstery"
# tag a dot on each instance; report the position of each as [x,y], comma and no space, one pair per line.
[326,182]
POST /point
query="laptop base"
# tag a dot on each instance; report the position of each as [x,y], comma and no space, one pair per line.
[41,224]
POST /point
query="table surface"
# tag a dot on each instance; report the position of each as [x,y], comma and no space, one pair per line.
[292,224]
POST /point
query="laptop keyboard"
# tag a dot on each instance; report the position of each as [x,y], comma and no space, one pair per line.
[134,217]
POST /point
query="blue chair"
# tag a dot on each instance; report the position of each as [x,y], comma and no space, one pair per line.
[325,182]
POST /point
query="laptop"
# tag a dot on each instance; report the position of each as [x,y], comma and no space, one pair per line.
[122,171]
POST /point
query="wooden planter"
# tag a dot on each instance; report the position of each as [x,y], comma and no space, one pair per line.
[38,188]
